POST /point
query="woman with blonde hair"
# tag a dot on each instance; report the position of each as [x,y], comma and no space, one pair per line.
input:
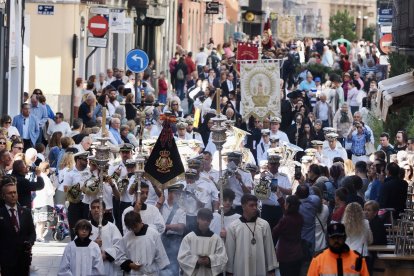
[66,164]
[349,167]
[358,232]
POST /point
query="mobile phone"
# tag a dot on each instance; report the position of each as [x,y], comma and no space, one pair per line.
[273,184]
[298,172]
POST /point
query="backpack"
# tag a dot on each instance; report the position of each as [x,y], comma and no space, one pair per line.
[180,74]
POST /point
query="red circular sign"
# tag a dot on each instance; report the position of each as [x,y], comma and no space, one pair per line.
[385,43]
[98,26]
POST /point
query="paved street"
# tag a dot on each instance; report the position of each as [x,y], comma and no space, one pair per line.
[46,257]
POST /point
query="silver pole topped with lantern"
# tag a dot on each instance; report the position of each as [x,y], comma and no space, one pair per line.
[101,159]
[218,131]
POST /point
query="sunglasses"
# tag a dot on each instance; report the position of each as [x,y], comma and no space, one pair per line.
[2,143]
[7,122]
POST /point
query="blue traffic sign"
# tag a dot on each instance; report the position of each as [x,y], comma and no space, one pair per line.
[137,60]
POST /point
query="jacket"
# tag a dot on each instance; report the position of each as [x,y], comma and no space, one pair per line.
[393,194]
[13,244]
[34,130]
[25,189]
[288,234]
[325,263]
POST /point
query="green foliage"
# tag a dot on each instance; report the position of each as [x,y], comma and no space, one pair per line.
[341,25]
[368,33]
[399,63]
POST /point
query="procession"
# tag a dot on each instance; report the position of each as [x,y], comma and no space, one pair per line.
[282,150]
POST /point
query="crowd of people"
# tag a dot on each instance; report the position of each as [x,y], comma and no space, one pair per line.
[327,195]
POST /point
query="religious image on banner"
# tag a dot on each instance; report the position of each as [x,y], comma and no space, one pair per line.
[164,166]
[260,88]
[286,28]
[246,51]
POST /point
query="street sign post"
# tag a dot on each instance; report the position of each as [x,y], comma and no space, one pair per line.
[98,42]
[137,60]
[212,7]
[98,26]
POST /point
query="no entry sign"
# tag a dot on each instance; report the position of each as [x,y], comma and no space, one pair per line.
[98,26]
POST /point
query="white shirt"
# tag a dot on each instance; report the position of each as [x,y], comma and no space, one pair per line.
[330,154]
[12,131]
[281,135]
[112,106]
[25,134]
[63,127]
[201,58]
[178,217]
[230,85]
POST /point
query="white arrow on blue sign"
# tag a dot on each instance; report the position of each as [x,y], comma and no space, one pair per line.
[137,60]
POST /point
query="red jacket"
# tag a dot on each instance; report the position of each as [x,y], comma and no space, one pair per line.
[162,86]
[190,64]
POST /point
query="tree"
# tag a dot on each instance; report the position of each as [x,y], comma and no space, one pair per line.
[368,34]
[342,25]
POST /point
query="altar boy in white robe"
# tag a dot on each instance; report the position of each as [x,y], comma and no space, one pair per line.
[202,252]
[149,213]
[109,236]
[230,214]
[140,251]
[249,243]
[82,256]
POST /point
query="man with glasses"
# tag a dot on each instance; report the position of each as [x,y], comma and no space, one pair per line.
[59,125]
[28,126]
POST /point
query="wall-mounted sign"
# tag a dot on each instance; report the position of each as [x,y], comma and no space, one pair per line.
[46,9]
[98,42]
[212,7]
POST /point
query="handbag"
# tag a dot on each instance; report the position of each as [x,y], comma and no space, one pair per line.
[369,148]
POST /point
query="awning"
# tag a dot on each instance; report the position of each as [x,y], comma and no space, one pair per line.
[391,89]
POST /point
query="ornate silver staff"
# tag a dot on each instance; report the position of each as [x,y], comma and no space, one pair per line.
[219,138]
[139,171]
[101,158]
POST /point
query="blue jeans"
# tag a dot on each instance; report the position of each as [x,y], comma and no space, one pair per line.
[162,98]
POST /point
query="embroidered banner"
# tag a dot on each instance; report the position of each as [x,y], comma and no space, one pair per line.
[260,88]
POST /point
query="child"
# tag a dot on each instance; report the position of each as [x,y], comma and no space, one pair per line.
[202,252]
[140,251]
[82,256]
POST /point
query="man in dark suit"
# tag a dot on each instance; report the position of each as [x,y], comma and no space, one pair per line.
[228,85]
[393,193]
[204,74]
[17,232]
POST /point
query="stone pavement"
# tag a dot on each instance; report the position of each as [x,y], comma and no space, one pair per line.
[46,257]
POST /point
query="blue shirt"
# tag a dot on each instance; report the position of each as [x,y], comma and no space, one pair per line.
[375,190]
[40,112]
[116,135]
[305,85]
[358,142]
[308,209]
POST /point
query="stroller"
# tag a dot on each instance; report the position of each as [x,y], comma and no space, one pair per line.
[60,229]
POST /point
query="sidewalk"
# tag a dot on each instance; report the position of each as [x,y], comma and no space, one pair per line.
[46,257]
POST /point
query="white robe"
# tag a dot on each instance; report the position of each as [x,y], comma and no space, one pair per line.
[215,224]
[193,246]
[81,261]
[246,259]
[146,250]
[110,236]
[150,216]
